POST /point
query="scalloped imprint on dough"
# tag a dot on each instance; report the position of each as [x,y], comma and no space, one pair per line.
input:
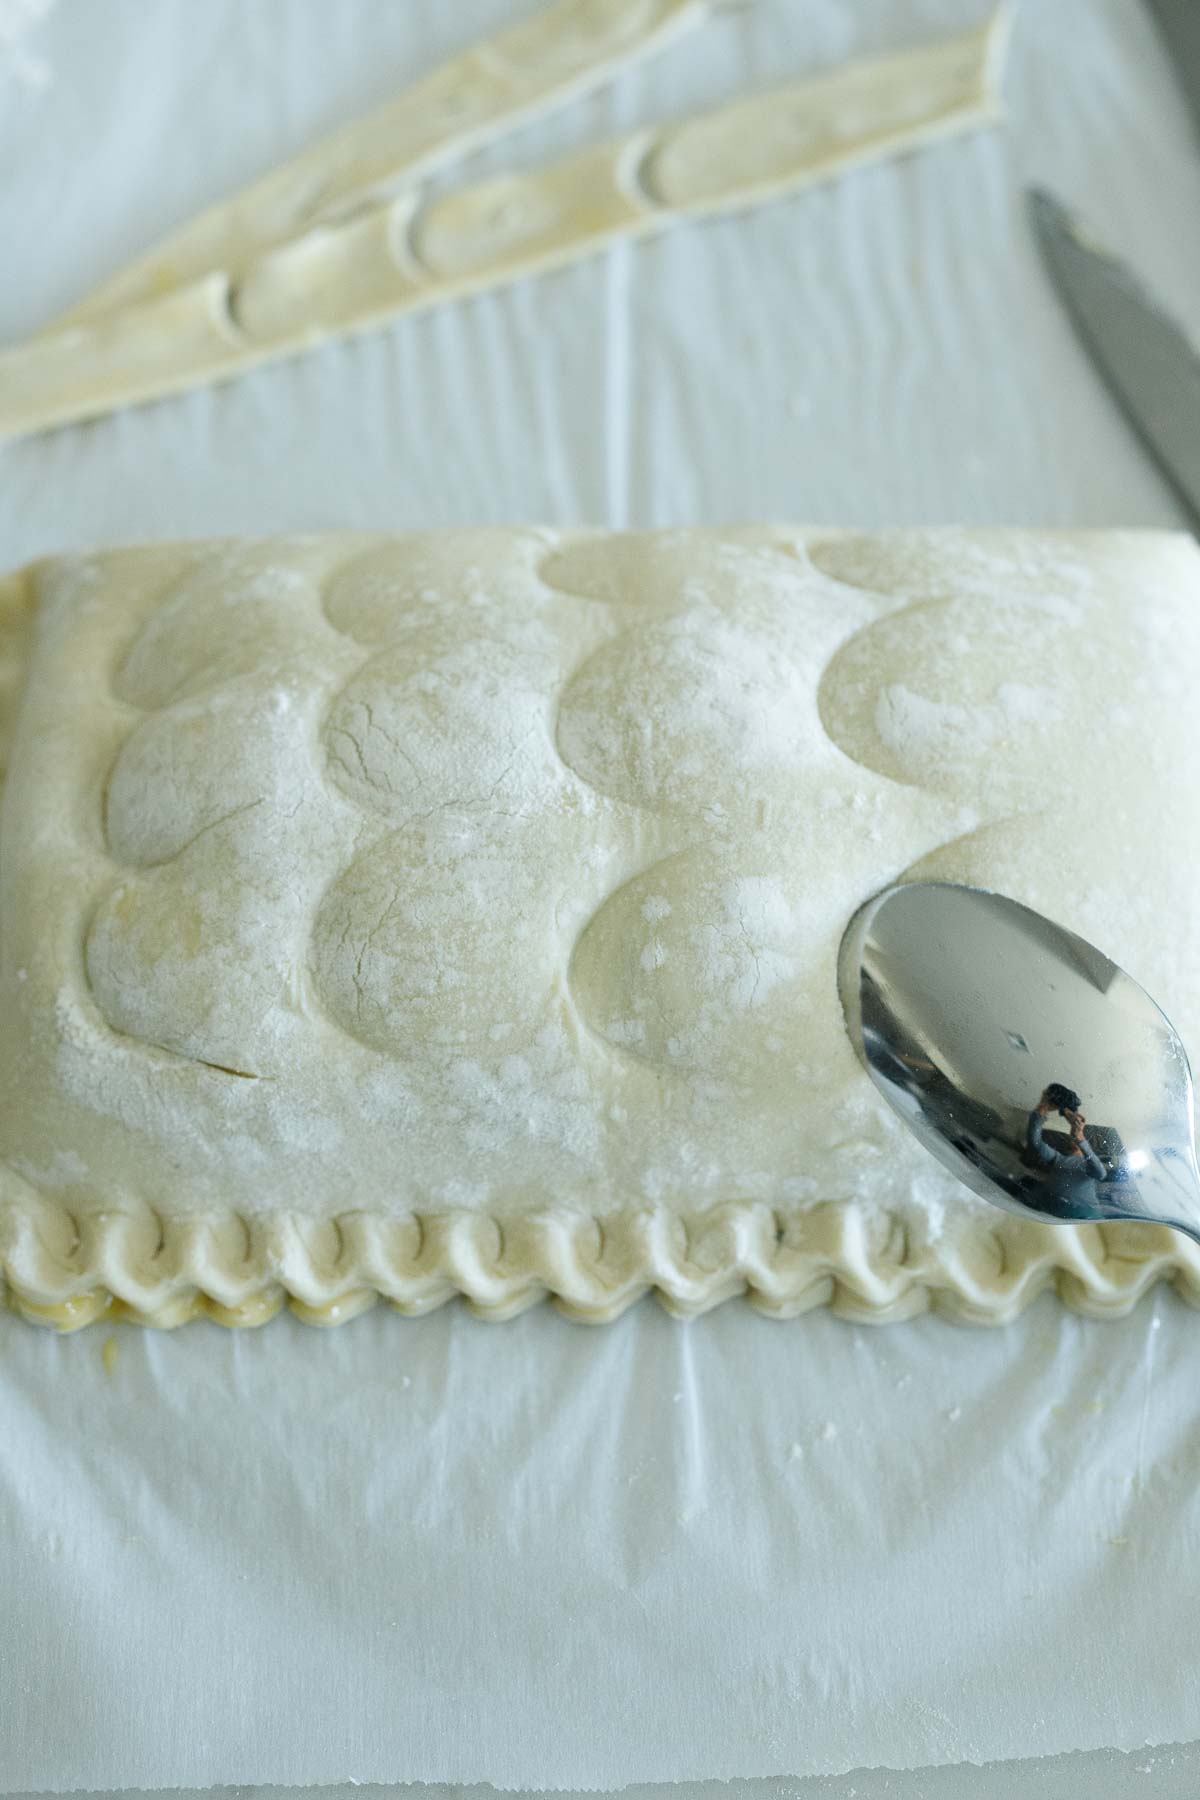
[401,917]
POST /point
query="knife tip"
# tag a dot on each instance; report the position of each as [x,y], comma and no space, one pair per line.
[1058,227]
[1045,209]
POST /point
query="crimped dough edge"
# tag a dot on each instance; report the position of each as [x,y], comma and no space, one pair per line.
[66,1268]
[68,1271]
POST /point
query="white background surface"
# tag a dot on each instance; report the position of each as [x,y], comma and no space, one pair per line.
[540,1554]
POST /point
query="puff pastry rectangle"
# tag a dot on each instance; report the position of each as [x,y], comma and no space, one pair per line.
[411,915]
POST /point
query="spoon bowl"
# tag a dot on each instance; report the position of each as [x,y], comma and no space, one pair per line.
[1022,1057]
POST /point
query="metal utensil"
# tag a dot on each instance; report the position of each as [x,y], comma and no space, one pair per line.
[1147,360]
[1026,1061]
[1179,22]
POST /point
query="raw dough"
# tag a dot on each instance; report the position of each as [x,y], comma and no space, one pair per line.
[274,273]
[556,55]
[460,911]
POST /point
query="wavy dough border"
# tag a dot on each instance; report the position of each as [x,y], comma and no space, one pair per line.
[67,1272]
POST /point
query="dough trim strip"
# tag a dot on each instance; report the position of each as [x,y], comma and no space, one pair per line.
[413,251]
[485,91]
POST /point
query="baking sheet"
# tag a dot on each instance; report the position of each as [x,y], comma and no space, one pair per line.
[541,1555]
[546,1554]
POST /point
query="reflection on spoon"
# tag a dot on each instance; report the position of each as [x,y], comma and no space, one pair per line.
[1025,1060]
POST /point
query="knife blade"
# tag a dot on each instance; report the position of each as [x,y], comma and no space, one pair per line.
[1149,364]
[1179,23]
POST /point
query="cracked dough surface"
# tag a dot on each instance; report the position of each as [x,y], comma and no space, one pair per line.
[459,912]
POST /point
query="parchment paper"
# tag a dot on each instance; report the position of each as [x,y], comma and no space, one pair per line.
[541,1555]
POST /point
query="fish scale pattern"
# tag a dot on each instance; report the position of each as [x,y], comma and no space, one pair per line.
[458,913]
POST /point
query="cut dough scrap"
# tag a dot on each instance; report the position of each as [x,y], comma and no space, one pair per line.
[850,115]
[546,60]
[416,250]
[426,914]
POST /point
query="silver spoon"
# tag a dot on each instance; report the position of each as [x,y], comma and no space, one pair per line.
[1030,1065]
